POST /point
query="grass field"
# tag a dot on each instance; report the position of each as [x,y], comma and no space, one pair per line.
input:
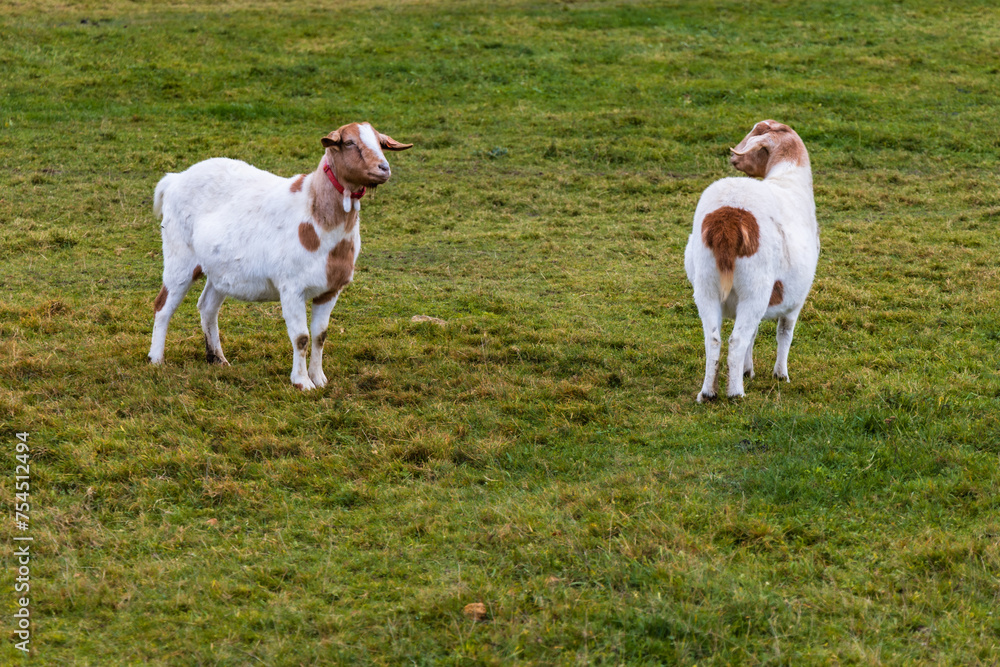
[542,453]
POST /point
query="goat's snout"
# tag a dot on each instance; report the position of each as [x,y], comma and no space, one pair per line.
[380,173]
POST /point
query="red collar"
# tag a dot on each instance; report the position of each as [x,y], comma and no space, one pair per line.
[340,188]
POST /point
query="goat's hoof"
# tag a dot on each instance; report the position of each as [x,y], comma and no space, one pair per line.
[216,359]
[304,385]
[737,396]
[748,374]
[706,398]
[779,376]
[155,362]
[319,380]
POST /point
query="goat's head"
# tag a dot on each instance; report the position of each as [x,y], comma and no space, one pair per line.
[355,153]
[769,143]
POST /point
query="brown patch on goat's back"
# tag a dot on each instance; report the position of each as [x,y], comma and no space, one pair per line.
[197,273]
[777,294]
[308,237]
[297,183]
[161,299]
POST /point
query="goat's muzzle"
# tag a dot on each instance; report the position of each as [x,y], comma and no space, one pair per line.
[379,174]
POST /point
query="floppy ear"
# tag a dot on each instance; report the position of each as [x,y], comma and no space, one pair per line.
[332,139]
[751,143]
[390,144]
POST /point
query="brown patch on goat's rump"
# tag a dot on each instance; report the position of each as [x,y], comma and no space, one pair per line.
[777,294]
[297,183]
[161,299]
[302,342]
[197,273]
[308,237]
[730,233]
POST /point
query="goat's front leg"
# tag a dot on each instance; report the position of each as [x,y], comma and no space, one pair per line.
[320,322]
[293,308]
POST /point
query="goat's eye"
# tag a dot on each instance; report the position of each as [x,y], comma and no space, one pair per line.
[348,143]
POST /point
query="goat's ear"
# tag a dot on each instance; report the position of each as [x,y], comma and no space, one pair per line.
[754,142]
[332,139]
[390,144]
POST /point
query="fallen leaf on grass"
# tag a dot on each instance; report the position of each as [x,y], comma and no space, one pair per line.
[476,611]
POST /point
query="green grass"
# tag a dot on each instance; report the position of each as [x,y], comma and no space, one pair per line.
[542,453]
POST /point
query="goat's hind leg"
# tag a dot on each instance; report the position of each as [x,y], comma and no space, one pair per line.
[711,322]
[748,316]
[748,361]
[177,279]
[209,304]
[786,328]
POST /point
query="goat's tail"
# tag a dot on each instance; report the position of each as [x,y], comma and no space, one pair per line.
[161,188]
[729,233]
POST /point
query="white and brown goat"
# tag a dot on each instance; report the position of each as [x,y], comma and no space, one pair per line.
[753,251]
[256,236]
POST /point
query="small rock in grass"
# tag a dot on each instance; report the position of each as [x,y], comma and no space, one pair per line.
[476,611]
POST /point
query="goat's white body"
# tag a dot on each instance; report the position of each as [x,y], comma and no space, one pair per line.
[241,226]
[260,237]
[788,251]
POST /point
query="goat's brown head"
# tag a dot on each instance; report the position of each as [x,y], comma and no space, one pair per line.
[355,153]
[769,143]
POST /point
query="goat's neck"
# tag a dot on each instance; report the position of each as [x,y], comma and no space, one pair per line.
[327,204]
[794,178]
[796,182]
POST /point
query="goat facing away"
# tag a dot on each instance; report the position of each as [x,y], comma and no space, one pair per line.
[752,253]
[256,236]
